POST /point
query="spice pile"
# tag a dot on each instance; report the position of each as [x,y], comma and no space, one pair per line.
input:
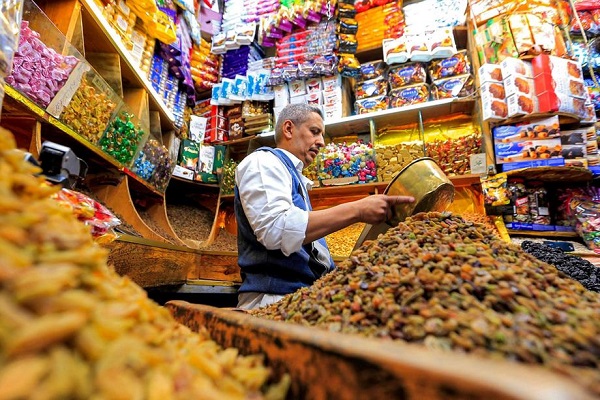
[70,327]
[447,283]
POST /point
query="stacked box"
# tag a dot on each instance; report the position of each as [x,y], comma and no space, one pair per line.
[559,85]
[537,143]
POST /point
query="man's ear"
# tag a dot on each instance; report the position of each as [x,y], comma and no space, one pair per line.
[287,129]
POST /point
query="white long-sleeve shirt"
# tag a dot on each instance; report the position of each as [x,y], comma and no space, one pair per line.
[266,195]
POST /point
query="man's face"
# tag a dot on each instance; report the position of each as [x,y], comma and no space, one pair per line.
[307,138]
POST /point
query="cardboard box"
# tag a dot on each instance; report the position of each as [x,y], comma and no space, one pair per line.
[184,173]
[519,105]
[552,162]
[494,109]
[521,85]
[547,128]
[490,73]
[513,66]
[528,150]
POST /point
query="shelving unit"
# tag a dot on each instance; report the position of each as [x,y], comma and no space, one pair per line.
[100,37]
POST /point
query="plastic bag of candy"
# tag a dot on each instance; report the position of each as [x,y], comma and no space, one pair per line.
[99,218]
[585,210]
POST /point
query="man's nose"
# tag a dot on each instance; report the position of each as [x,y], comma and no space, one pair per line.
[320,140]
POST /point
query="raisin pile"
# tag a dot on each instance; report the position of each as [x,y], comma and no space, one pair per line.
[575,267]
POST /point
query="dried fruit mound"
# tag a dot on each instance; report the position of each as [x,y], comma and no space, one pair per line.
[71,328]
[444,282]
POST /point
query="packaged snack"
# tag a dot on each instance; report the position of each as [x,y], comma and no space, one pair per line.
[408,95]
[372,70]
[458,64]
[395,51]
[371,104]
[490,73]
[372,87]
[495,190]
[441,43]
[547,128]
[407,74]
[459,86]
[527,150]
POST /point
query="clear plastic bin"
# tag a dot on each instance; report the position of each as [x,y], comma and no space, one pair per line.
[124,136]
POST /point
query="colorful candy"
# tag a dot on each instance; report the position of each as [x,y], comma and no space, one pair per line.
[344,161]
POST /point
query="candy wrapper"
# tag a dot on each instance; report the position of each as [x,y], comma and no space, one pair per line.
[338,161]
[586,213]
[99,218]
[495,190]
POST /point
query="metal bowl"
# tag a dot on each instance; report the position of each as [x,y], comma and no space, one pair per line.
[422,179]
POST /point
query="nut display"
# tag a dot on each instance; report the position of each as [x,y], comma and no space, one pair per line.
[447,283]
[72,328]
[89,111]
[342,242]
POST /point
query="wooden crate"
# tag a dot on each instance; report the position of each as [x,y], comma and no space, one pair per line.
[327,365]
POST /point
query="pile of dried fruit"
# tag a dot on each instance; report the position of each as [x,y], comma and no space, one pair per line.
[72,328]
[444,282]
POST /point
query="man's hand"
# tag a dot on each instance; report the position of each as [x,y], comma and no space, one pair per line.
[378,208]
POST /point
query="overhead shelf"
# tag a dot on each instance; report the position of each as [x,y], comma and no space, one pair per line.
[107,40]
[356,124]
[41,114]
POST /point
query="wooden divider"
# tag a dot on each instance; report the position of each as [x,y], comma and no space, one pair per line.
[116,196]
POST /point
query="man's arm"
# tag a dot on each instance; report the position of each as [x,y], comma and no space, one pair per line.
[371,210]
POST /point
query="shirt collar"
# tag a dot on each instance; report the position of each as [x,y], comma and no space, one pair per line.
[299,167]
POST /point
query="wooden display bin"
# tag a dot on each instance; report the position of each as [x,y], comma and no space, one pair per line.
[328,365]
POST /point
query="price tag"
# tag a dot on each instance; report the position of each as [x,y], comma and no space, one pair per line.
[65,94]
[478,164]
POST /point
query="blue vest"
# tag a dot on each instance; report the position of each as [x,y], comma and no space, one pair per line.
[270,271]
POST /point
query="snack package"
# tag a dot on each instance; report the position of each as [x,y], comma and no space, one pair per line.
[458,64]
[372,87]
[408,95]
[495,190]
[99,218]
[407,74]
[585,211]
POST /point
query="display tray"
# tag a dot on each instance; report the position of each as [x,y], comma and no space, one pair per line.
[328,365]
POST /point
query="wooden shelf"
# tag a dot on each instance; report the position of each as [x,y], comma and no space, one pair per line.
[543,234]
[365,189]
[104,39]
[31,108]
[356,124]
[41,114]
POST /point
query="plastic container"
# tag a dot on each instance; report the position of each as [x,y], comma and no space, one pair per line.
[124,136]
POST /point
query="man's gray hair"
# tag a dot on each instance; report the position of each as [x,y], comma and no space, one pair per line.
[297,113]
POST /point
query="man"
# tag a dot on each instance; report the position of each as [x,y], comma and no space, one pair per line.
[281,245]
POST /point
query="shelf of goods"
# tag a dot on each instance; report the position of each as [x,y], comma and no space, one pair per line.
[138,199]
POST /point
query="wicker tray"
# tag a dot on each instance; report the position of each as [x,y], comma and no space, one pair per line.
[327,365]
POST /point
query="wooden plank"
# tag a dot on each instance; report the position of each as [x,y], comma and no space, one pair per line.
[330,365]
[115,194]
[221,266]
[108,65]
[137,100]
[155,130]
[66,15]
[151,266]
